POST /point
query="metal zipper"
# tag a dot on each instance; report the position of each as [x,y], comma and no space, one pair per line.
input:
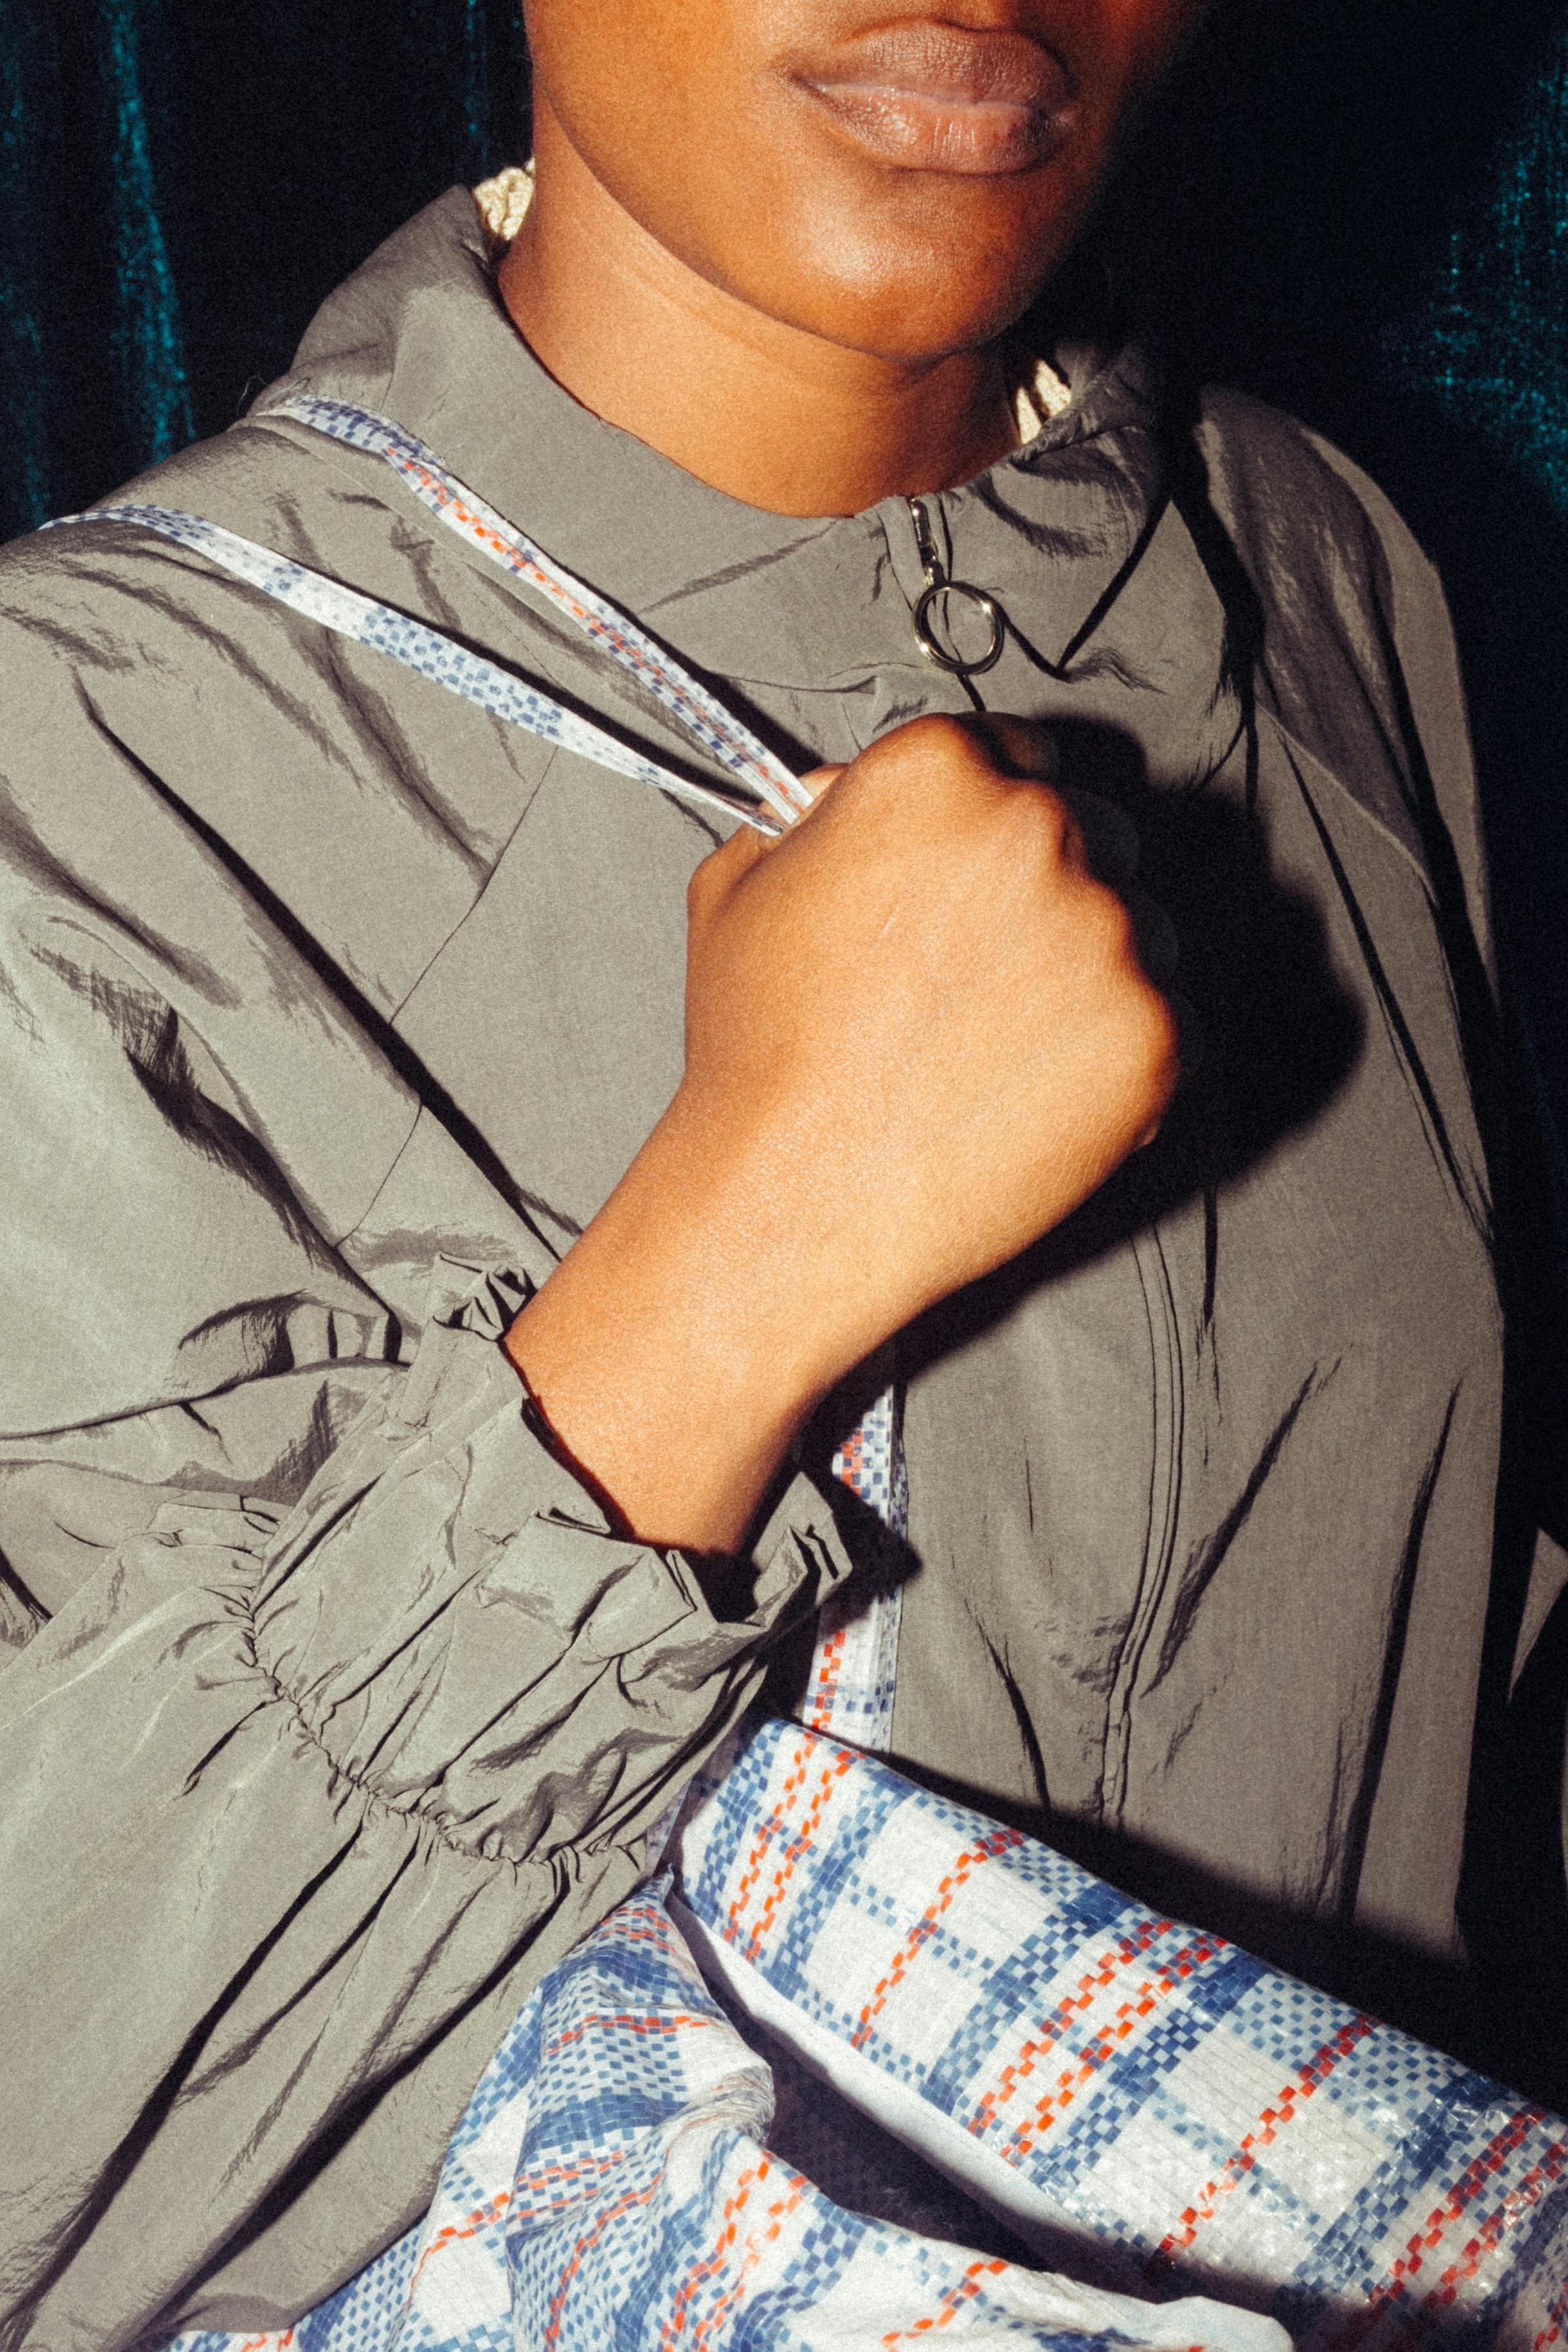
[932,608]
[925,545]
[1164,1501]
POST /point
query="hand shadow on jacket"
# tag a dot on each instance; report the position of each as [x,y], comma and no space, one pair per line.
[1280,1036]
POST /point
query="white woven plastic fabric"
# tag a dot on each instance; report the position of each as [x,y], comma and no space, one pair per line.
[1135,2098]
[1140,2102]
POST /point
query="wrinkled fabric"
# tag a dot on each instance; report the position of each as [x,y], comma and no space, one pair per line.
[372,1768]
[312,976]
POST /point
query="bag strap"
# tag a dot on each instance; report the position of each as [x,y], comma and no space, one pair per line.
[704,719]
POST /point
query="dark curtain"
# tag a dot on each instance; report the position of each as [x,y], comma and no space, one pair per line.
[181,181]
[1360,211]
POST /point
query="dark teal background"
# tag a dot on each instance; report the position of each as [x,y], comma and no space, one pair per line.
[1358,208]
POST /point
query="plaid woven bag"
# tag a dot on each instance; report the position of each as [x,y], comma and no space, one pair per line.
[863,2058]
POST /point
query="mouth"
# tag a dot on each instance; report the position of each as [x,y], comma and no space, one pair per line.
[942,98]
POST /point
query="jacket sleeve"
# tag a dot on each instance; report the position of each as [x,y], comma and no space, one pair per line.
[335,1712]
[1532,1261]
[1514,1897]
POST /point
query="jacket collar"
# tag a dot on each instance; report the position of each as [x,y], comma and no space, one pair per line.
[419,333]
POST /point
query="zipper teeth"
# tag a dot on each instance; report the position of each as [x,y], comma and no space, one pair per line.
[925,542]
[1165,1337]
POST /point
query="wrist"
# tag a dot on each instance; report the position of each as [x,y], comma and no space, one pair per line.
[677,1352]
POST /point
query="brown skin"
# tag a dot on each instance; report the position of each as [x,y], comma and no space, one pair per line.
[715,261]
[778,239]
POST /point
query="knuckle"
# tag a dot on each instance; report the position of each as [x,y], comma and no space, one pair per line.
[1108,929]
[937,744]
[1156,1049]
[939,732]
[704,886]
[1037,824]
[1056,826]
[1027,747]
[1143,1029]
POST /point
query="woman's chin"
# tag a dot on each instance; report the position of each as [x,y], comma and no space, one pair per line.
[914,296]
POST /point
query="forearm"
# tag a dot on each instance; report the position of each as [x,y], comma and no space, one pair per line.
[680,1345]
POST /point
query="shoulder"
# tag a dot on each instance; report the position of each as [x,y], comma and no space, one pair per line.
[1295,505]
[133,668]
[1352,614]
[125,657]
[150,631]
[88,592]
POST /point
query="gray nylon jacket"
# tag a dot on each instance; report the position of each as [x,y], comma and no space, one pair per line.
[330,1009]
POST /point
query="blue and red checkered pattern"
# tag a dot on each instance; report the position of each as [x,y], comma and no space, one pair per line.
[854,1666]
[1135,2101]
[610,2191]
[1105,2076]
[1138,2100]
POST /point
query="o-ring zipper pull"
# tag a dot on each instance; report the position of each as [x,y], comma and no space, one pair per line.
[933,628]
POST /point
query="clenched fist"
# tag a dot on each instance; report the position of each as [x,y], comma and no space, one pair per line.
[919,1033]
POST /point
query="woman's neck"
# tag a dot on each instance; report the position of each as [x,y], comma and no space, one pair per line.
[764,411]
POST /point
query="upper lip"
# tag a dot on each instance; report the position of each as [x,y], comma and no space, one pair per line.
[954,63]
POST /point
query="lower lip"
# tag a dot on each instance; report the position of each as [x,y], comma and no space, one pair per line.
[922,133]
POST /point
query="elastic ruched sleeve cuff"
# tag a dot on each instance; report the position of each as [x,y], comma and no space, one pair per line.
[468,1640]
[293,1816]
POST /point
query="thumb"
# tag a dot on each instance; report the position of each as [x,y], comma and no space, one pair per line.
[822,779]
[746,847]
[726,867]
